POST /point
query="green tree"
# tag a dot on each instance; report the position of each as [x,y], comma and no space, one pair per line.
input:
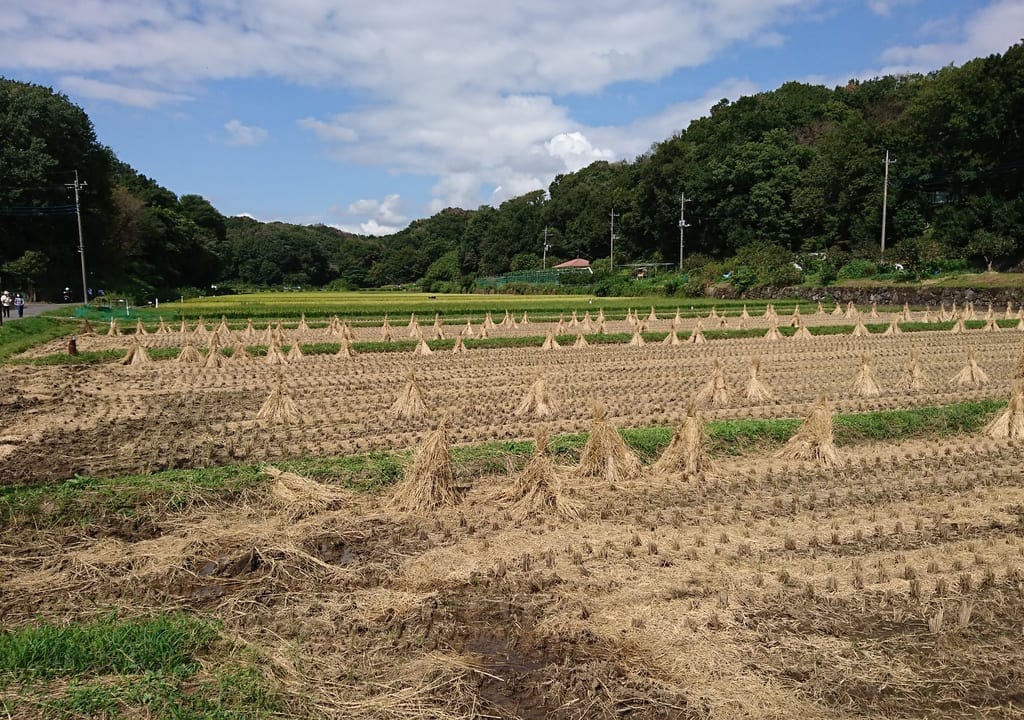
[29,269]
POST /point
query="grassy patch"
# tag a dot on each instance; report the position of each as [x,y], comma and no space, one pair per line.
[17,336]
[138,667]
[165,644]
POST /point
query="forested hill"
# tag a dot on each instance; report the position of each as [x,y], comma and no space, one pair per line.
[796,170]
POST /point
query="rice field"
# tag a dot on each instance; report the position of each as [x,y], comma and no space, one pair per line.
[819,524]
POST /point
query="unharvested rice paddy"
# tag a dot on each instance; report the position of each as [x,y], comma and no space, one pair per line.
[264,490]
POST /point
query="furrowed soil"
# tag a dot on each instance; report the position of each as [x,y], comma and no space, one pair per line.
[891,585]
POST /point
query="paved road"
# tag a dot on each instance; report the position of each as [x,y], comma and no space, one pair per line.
[33,309]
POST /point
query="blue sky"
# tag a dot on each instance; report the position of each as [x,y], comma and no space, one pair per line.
[366,116]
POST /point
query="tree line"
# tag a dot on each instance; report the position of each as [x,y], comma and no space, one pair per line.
[795,173]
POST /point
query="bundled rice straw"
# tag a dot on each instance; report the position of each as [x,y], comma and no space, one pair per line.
[560,327]
[460,345]
[972,375]
[274,355]
[161,329]
[958,326]
[438,327]
[414,328]
[295,352]
[715,390]
[279,406]
[301,497]
[1018,372]
[386,334]
[864,383]
[672,339]
[538,488]
[756,390]
[468,330]
[1009,314]
[537,402]
[906,316]
[915,379]
[819,310]
[837,310]
[600,315]
[651,317]
[794,320]
[687,453]
[488,322]
[239,354]
[525,319]
[249,334]
[86,328]
[773,334]
[851,310]
[697,336]
[430,482]
[893,329]
[550,343]
[574,321]
[606,455]
[802,333]
[713,315]
[345,348]
[859,329]
[214,357]
[421,347]
[189,354]
[136,355]
[302,327]
[409,403]
[140,329]
[990,321]
[1010,422]
[638,339]
[874,310]
[412,321]
[112,330]
[813,440]
[581,342]
[588,324]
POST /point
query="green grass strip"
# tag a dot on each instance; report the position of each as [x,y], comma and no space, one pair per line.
[166,643]
[84,500]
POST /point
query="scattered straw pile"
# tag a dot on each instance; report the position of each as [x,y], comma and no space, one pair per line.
[1010,423]
[864,382]
[136,354]
[430,482]
[972,375]
[756,390]
[538,488]
[715,391]
[687,453]
[538,401]
[409,403]
[606,455]
[813,440]
[279,406]
[300,497]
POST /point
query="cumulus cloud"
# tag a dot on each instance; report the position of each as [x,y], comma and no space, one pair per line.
[989,30]
[239,134]
[133,96]
[463,91]
[387,211]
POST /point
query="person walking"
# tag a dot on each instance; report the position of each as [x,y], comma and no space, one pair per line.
[5,303]
[19,304]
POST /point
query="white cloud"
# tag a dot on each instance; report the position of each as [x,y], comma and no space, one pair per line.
[333,130]
[991,29]
[885,7]
[575,150]
[387,211]
[133,96]
[239,134]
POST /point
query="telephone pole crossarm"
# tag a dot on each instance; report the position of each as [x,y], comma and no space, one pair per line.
[76,186]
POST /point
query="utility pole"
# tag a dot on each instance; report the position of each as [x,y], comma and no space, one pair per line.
[611,240]
[682,227]
[81,242]
[544,264]
[885,199]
